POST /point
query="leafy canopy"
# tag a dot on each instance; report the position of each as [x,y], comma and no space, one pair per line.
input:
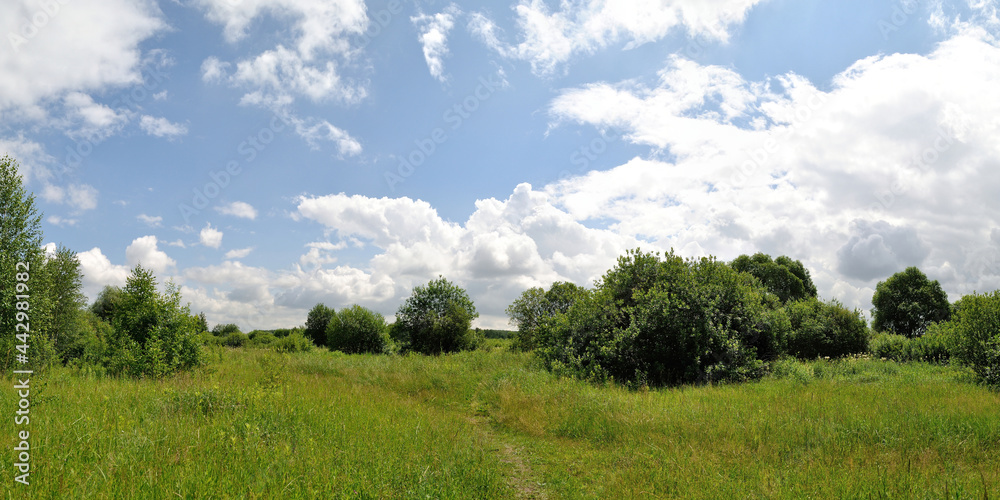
[907,302]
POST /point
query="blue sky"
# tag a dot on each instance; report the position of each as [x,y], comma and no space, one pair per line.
[267,155]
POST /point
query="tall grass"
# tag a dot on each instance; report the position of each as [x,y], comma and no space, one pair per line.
[490,424]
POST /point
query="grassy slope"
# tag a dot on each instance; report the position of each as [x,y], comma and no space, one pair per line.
[256,424]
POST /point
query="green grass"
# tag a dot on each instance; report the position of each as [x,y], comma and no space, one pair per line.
[490,424]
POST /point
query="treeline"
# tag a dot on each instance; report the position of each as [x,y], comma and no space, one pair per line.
[658,321]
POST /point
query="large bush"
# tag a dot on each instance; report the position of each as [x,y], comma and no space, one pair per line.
[669,321]
[357,330]
[536,305]
[977,335]
[435,319]
[151,333]
[907,303]
[784,277]
[825,329]
[316,322]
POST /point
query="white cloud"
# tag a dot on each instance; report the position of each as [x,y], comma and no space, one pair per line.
[433,35]
[98,271]
[143,251]
[859,181]
[161,127]
[160,96]
[238,253]
[550,39]
[177,243]
[310,65]
[210,237]
[61,58]
[238,209]
[94,121]
[149,220]
[60,221]
[79,197]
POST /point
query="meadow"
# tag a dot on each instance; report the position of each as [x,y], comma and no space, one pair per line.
[491,423]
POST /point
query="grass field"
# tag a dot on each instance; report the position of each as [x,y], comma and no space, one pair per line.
[488,424]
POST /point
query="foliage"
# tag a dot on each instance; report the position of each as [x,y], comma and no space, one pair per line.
[535,305]
[107,301]
[152,334]
[784,277]
[261,338]
[357,330]
[293,342]
[20,241]
[435,319]
[825,329]
[225,330]
[977,335]
[234,339]
[664,322]
[67,301]
[907,303]
[316,322]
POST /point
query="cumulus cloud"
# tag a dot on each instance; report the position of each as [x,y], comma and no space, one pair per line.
[210,237]
[311,65]
[161,127]
[549,39]
[858,180]
[238,253]
[240,209]
[879,249]
[433,36]
[98,271]
[79,197]
[150,220]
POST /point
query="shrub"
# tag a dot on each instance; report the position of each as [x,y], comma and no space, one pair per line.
[890,346]
[535,305]
[435,319]
[234,339]
[357,330]
[825,329]
[225,330]
[152,334]
[294,342]
[907,303]
[653,322]
[977,335]
[937,344]
[316,322]
[261,338]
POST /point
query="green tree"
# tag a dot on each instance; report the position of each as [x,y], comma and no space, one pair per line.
[435,319]
[825,329]
[316,322]
[976,329]
[357,330]
[224,330]
[666,321]
[153,335]
[107,301]
[784,277]
[20,242]
[67,302]
[907,303]
[535,305]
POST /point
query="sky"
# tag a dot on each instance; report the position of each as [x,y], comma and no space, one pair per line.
[269,155]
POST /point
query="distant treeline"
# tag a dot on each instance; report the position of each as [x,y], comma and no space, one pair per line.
[496,334]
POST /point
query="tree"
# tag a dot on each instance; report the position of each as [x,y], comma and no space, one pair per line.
[107,301]
[825,329]
[152,334]
[224,330]
[784,277]
[666,321]
[316,322]
[907,303]
[977,330]
[535,305]
[357,330]
[20,242]
[435,319]
[67,302]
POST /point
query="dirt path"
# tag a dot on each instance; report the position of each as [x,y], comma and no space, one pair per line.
[524,481]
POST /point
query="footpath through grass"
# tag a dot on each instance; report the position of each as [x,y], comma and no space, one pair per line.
[487,424]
